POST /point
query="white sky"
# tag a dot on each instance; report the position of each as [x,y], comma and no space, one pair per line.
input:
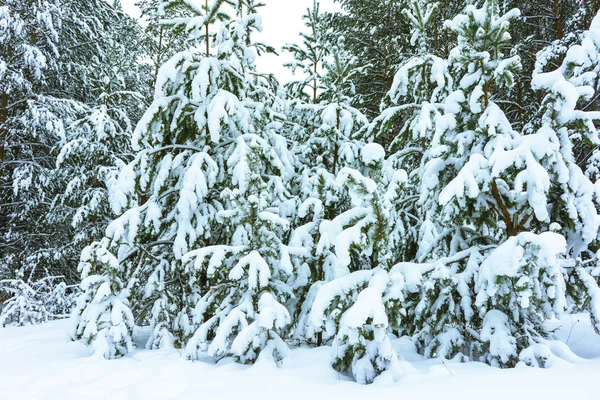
[282,20]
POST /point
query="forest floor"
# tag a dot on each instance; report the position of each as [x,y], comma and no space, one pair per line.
[39,362]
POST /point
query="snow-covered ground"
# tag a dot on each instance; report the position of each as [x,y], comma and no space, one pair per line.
[38,362]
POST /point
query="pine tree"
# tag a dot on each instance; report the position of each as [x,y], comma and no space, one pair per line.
[162,41]
[359,306]
[240,217]
[575,203]
[482,185]
[309,57]
[374,36]
[102,317]
[63,87]
[323,132]
[412,109]
[541,36]
[203,203]
[34,302]
[476,206]
[98,135]
[26,44]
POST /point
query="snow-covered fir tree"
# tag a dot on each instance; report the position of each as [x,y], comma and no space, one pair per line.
[162,41]
[410,114]
[359,305]
[374,36]
[309,57]
[58,92]
[103,318]
[28,35]
[570,127]
[203,204]
[479,185]
[482,186]
[323,129]
[33,302]
[96,139]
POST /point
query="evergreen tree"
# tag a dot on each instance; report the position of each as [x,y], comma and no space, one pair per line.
[541,36]
[162,41]
[95,142]
[374,36]
[27,44]
[483,184]
[415,103]
[56,86]
[33,302]
[240,217]
[200,238]
[102,318]
[359,306]
[323,130]
[309,57]
[564,118]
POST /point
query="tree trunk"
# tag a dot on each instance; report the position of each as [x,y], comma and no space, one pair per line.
[436,44]
[206,27]
[558,20]
[335,145]
[3,121]
[315,83]
[158,55]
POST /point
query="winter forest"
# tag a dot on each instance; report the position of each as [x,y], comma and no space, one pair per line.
[430,173]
